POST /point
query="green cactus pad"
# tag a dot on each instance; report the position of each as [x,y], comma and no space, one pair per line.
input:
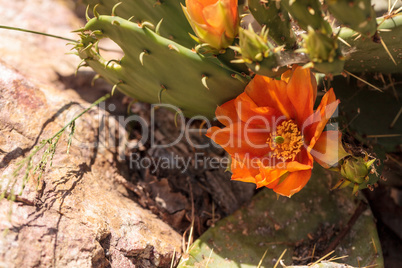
[296,224]
[358,15]
[370,113]
[174,26]
[277,20]
[307,13]
[364,55]
[157,70]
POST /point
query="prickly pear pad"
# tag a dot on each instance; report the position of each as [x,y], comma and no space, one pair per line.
[157,70]
[175,25]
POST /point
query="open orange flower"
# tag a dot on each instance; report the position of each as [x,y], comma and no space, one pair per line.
[273,134]
[215,22]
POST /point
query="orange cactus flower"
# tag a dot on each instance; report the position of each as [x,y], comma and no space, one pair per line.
[273,135]
[214,22]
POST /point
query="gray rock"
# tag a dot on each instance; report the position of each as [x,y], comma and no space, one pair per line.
[75,215]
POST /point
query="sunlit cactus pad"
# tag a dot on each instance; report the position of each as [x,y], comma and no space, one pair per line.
[157,70]
[175,25]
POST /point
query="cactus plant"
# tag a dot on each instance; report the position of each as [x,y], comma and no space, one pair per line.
[162,63]
[146,72]
[310,33]
[157,68]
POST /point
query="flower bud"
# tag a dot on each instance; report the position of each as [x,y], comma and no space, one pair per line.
[356,169]
[253,46]
[215,22]
[258,53]
[324,52]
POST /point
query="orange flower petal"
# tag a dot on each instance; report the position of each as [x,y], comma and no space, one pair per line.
[207,2]
[237,139]
[288,74]
[315,124]
[328,149]
[226,113]
[214,22]
[297,178]
[243,171]
[268,92]
[249,117]
[293,183]
[269,176]
[193,9]
[251,114]
[297,166]
[301,92]
[214,15]
[273,184]
[303,161]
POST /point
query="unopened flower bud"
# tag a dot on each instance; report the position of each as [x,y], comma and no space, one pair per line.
[356,169]
[215,22]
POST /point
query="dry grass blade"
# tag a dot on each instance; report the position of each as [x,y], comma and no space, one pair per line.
[280,258]
[396,118]
[312,254]
[374,246]
[338,258]
[384,136]
[398,10]
[173,257]
[209,257]
[262,259]
[190,236]
[322,258]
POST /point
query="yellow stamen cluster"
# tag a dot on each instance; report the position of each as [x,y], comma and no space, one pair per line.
[286,141]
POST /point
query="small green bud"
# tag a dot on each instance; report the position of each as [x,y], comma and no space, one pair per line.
[356,169]
[253,46]
[324,52]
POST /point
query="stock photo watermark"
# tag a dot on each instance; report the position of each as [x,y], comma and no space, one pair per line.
[237,135]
